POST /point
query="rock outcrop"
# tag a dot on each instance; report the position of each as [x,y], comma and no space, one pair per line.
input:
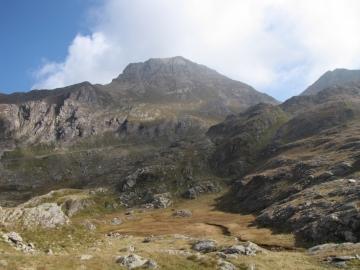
[133,261]
[46,215]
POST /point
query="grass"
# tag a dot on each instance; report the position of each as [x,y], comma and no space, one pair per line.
[68,241]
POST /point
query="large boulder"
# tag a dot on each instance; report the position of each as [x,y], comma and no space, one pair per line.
[205,245]
[161,200]
[46,215]
[132,261]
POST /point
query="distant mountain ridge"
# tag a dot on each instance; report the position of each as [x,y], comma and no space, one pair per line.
[330,78]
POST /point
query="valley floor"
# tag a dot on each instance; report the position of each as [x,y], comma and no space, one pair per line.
[76,247]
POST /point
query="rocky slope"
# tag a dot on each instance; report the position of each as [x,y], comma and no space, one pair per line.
[330,78]
[304,179]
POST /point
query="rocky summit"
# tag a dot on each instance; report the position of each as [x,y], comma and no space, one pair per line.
[330,78]
[174,166]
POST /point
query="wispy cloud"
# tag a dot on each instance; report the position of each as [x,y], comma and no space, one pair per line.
[277,46]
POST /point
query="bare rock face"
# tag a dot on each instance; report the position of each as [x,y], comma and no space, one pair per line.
[46,215]
[318,218]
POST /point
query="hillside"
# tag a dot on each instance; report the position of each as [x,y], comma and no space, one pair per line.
[305,178]
[331,78]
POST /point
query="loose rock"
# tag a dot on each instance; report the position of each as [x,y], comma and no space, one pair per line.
[131,261]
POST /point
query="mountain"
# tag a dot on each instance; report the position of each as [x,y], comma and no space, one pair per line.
[90,168]
[330,78]
[90,130]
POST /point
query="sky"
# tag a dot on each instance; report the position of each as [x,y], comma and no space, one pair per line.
[277,46]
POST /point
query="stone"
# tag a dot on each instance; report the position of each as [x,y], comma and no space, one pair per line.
[190,194]
[46,215]
[129,212]
[148,239]
[116,221]
[74,206]
[238,249]
[226,256]
[205,245]
[341,168]
[221,255]
[88,225]
[132,261]
[161,201]
[224,265]
[249,250]
[344,258]
[3,263]
[95,249]
[130,248]
[49,251]
[339,264]
[84,257]
[14,237]
[251,266]
[182,213]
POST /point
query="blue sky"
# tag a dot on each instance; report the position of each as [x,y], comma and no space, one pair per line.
[277,46]
[34,30]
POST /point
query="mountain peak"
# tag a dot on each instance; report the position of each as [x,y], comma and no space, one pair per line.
[165,66]
[330,78]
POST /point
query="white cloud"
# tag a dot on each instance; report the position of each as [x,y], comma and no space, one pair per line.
[277,46]
[90,58]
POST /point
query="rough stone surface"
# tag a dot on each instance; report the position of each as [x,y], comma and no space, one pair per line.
[14,237]
[205,245]
[84,257]
[88,225]
[161,200]
[132,261]
[224,265]
[182,213]
[46,215]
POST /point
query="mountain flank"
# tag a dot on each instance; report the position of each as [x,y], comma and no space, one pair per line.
[330,78]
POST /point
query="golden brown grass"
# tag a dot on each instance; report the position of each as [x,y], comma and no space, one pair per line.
[206,222]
